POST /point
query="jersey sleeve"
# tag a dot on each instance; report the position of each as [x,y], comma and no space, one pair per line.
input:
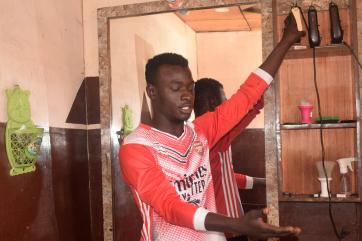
[142,174]
[228,138]
[219,122]
[243,181]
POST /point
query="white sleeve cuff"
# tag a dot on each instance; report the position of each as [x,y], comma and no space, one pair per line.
[264,75]
[249,182]
[199,219]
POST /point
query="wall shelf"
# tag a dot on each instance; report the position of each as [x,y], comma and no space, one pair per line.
[299,145]
[317,126]
[321,51]
[308,198]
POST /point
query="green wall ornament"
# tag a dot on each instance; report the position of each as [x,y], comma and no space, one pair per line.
[127,121]
[23,139]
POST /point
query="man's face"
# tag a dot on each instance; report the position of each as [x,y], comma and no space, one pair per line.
[222,96]
[215,101]
[173,96]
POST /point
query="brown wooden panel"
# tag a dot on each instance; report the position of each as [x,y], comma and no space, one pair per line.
[248,151]
[86,106]
[95,184]
[26,201]
[335,84]
[71,183]
[77,113]
[127,220]
[301,149]
[324,26]
[92,97]
[314,220]
[53,203]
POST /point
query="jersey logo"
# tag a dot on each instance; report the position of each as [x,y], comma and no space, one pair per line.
[199,148]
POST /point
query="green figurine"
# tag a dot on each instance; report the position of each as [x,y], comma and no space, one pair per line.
[127,121]
[23,139]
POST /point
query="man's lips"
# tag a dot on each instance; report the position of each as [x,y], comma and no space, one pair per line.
[186,108]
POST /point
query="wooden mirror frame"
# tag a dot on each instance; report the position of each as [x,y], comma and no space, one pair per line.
[139,9]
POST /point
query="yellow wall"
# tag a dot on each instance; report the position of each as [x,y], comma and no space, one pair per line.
[230,57]
[90,30]
[41,46]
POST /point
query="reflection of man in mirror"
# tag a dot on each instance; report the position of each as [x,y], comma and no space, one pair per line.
[166,163]
[209,94]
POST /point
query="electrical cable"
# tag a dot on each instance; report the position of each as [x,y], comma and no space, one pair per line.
[353,54]
[338,235]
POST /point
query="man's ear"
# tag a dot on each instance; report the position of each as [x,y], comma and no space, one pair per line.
[151,91]
[212,104]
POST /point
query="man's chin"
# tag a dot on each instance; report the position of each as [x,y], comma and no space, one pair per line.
[184,117]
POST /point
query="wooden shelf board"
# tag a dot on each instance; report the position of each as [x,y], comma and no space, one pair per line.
[317,126]
[308,198]
[322,51]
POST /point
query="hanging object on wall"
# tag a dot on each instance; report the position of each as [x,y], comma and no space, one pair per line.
[335,23]
[23,138]
[127,122]
[313,31]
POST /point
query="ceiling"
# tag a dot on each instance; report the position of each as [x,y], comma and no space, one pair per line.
[234,18]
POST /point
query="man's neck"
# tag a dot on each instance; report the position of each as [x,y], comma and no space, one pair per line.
[172,128]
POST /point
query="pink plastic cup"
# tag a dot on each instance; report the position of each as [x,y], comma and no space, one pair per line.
[306,113]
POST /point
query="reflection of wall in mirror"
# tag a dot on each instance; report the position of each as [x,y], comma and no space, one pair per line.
[226,56]
[230,57]
[133,41]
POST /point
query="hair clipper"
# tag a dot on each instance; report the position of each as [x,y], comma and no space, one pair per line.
[313,31]
[336,29]
[297,14]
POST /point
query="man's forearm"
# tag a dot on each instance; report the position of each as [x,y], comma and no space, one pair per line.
[251,224]
[290,36]
[274,60]
[220,223]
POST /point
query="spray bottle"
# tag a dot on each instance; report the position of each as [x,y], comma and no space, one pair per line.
[344,165]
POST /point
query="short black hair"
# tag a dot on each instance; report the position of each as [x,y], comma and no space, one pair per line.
[205,89]
[154,64]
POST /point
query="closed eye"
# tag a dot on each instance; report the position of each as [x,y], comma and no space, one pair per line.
[175,87]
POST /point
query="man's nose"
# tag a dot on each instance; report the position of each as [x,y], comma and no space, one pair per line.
[187,95]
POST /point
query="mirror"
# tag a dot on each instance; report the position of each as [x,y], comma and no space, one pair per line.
[131,34]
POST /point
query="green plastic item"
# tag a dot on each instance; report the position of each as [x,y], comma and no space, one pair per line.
[23,139]
[127,121]
[327,119]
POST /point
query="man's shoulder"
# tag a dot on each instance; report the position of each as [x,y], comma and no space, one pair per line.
[140,135]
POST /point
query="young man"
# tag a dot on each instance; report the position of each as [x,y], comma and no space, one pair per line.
[209,94]
[166,163]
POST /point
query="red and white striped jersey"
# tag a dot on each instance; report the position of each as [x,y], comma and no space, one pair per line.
[170,176]
[226,182]
[184,162]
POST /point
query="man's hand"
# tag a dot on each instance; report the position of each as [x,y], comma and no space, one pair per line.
[291,34]
[259,181]
[253,225]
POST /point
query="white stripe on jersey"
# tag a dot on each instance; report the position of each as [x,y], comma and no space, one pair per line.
[223,183]
[228,186]
[231,194]
[230,172]
[145,212]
